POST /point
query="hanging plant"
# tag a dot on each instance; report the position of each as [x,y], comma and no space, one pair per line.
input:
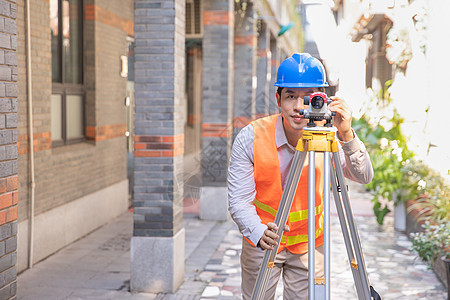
[398,47]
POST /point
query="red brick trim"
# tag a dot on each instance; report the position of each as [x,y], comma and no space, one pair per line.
[41,141]
[8,199]
[217,18]
[158,145]
[96,13]
[216,130]
[12,184]
[105,132]
[245,40]
[262,52]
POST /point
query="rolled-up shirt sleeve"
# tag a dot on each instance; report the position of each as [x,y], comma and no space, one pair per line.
[241,187]
[355,160]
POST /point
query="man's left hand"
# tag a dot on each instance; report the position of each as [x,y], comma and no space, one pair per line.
[343,118]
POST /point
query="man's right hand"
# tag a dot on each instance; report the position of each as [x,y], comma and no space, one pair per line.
[268,240]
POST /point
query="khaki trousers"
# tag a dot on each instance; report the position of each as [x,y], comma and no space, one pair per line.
[292,267]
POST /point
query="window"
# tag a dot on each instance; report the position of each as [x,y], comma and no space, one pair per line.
[194,23]
[68,93]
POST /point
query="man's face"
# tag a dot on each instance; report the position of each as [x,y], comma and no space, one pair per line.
[291,102]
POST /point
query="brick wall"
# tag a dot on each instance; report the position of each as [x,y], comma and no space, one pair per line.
[92,166]
[67,173]
[8,150]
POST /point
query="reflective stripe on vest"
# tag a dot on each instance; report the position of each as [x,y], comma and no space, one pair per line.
[302,238]
[294,216]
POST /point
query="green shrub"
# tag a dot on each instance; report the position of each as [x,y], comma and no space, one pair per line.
[390,156]
[433,242]
[434,203]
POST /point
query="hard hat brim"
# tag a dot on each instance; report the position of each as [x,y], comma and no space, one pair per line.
[301,85]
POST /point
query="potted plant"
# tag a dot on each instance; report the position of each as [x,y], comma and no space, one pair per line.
[433,245]
[434,201]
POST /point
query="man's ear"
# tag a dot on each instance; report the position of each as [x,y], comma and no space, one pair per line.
[278,99]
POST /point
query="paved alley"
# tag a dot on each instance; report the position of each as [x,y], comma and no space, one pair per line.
[98,266]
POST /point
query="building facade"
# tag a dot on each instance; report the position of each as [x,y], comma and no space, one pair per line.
[72,120]
[92,88]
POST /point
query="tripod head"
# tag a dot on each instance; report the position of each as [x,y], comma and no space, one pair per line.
[318,109]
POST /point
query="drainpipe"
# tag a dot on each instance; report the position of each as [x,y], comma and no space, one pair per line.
[30,134]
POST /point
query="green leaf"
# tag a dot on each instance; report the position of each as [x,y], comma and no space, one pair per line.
[380,213]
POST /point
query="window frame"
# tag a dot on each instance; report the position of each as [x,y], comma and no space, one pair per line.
[62,88]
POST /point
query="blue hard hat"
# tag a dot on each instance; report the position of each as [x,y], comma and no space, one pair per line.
[301,70]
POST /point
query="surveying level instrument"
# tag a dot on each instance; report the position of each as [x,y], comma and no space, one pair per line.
[319,139]
[318,109]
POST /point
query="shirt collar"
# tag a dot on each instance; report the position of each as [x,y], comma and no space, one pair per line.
[280,135]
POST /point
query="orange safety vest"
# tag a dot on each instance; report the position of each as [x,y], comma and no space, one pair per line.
[269,190]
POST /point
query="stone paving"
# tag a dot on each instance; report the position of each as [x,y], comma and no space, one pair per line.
[97,266]
[393,270]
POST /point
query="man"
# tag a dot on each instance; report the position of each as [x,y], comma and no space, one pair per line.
[260,161]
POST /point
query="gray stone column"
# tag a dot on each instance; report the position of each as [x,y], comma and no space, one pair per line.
[245,35]
[217,108]
[264,72]
[157,245]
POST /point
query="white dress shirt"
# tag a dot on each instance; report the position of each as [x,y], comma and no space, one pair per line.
[241,181]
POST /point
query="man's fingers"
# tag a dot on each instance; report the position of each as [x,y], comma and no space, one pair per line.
[264,245]
[270,237]
[269,241]
[339,105]
[270,234]
[272,226]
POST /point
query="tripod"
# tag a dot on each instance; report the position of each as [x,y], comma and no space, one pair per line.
[319,139]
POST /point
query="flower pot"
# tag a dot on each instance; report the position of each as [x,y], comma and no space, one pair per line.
[441,267]
[400,216]
[447,265]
